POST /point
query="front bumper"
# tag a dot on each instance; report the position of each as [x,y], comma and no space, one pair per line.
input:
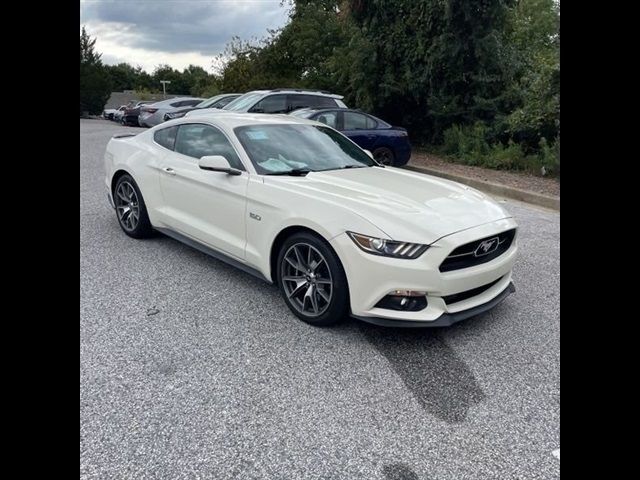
[372,277]
[444,320]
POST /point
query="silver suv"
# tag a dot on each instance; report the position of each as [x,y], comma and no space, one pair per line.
[281,100]
[152,115]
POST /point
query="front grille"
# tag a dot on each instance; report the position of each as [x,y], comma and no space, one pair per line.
[458,297]
[471,254]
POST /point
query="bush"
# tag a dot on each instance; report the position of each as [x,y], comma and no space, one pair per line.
[469,145]
[550,156]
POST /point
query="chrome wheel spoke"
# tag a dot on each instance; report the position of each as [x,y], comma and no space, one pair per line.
[326,281]
[316,264]
[294,264]
[311,295]
[294,278]
[301,264]
[297,290]
[323,294]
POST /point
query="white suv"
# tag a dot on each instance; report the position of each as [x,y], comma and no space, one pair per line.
[281,100]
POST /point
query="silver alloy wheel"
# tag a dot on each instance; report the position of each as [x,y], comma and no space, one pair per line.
[306,279]
[127,206]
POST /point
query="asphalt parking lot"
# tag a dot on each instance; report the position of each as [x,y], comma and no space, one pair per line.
[190,368]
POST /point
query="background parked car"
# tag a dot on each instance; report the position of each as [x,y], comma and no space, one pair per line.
[152,115]
[218,101]
[110,112]
[131,113]
[390,145]
[117,116]
[281,100]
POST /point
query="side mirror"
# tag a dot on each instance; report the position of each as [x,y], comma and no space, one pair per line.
[217,163]
[368,153]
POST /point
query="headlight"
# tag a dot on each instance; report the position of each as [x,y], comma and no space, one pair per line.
[387,248]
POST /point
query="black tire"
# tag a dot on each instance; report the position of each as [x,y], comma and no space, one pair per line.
[384,156]
[142,227]
[337,307]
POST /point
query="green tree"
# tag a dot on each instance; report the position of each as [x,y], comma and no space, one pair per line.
[123,76]
[533,36]
[95,84]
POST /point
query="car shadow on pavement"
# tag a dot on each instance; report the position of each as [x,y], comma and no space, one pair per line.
[398,471]
[439,380]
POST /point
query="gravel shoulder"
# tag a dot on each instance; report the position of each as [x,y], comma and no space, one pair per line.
[520,180]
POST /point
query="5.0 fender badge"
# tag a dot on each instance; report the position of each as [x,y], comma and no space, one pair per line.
[255,216]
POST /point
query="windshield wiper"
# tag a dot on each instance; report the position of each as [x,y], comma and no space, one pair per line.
[295,172]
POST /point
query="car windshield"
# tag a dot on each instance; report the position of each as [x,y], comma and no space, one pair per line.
[279,149]
[208,102]
[243,102]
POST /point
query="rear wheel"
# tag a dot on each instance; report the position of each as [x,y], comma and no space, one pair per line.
[312,280]
[131,209]
[384,156]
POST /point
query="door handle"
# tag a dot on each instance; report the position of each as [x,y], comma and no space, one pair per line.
[169,170]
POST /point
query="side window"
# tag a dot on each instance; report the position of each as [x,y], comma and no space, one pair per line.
[197,140]
[328,118]
[222,102]
[354,121]
[166,137]
[271,104]
[371,123]
[190,103]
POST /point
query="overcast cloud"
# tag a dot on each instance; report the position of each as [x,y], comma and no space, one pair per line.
[175,32]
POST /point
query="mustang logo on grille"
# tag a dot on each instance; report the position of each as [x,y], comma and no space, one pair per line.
[487,247]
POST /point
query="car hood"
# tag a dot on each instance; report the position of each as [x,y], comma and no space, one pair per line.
[407,206]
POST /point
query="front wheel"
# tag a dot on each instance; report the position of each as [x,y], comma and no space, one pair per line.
[312,280]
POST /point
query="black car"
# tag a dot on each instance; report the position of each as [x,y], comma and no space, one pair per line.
[132,112]
[218,101]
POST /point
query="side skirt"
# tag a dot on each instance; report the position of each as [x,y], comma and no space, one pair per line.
[213,253]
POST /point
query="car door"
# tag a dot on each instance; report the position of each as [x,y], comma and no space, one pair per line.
[204,205]
[360,128]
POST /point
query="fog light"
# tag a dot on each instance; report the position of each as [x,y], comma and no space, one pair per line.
[409,293]
[404,300]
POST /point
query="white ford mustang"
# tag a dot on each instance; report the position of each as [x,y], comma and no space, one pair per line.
[297,203]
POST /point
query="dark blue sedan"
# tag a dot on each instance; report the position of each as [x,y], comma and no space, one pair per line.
[389,145]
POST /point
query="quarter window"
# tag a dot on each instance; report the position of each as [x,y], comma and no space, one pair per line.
[166,137]
[356,121]
[197,140]
[309,101]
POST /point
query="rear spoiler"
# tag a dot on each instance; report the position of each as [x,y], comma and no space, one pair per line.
[123,135]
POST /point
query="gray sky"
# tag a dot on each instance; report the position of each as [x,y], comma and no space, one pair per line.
[176,32]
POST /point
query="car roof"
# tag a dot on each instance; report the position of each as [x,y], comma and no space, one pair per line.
[300,91]
[176,99]
[232,120]
[312,110]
